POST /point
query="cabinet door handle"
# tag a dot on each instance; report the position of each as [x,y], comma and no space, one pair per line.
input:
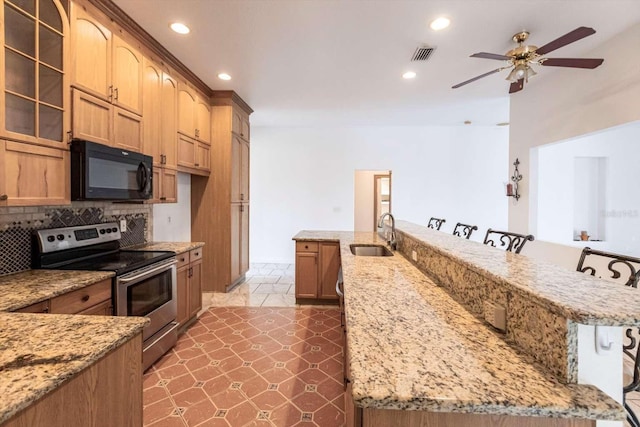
[116,92]
[69,136]
[163,198]
[110,93]
[241,196]
[197,133]
[197,165]
[85,298]
[45,310]
[190,271]
[241,208]
[3,197]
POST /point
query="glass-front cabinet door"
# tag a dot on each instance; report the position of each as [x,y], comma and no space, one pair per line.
[34,79]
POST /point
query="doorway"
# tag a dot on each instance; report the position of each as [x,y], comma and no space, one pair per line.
[372,198]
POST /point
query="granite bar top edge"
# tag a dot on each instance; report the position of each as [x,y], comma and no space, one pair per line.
[554,293]
[49,364]
[376,385]
[22,289]
[176,247]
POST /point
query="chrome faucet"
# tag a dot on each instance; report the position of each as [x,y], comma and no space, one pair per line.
[391,239]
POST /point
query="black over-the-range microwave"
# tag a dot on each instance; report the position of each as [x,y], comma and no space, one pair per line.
[99,172]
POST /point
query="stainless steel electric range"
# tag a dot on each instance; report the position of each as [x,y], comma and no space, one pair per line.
[144,285]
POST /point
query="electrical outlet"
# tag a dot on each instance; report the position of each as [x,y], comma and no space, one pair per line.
[414,256]
[123,225]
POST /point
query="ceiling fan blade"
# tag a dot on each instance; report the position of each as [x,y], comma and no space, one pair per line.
[516,86]
[476,78]
[570,37]
[486,55]
[590,63]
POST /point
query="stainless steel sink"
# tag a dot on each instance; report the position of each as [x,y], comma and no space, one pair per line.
[370,250]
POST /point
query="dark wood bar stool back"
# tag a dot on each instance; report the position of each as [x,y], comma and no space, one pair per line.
[464,230]
[436,223]
[512,242]
[625,270]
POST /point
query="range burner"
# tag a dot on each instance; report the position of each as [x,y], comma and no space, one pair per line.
[120,262]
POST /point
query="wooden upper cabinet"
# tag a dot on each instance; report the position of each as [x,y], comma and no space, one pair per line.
[186,111]
[90,54]
[169,120]
[34,57]
[91,118]
[127,76]
[203,121]
[104,65]
[240,124]
[127,130]
[33,175]
[152,109]
[194,115]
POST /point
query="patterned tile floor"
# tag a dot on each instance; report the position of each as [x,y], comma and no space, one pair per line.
[266,285]
[251,366]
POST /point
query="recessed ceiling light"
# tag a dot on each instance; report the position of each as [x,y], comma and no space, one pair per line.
[439,23]
[180,28]
[409,75]
[224,76]
[467,122]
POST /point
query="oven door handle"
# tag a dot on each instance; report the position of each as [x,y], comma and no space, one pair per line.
[147,273]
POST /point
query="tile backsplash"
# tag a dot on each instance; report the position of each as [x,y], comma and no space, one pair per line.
[18,223]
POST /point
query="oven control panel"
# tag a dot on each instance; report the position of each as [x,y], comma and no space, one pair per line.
[57,239]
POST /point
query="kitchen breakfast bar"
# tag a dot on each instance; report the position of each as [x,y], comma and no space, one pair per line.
[418,352]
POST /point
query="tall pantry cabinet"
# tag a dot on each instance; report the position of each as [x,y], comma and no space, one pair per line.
[220,202]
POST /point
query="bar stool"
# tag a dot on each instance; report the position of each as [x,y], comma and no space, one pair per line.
[436,223]
[512,242]
[464,230]
[631,349]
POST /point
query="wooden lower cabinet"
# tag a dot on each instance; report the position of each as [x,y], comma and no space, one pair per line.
[107,393]
[317,266]
[189,286]
[91,300]
[33,175]
[390,417]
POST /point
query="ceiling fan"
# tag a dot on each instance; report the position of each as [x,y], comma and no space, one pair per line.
[523,56]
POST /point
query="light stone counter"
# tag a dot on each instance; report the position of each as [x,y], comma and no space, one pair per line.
[40,352]
[576,296]
[29,287]
[413,347]
[177,247]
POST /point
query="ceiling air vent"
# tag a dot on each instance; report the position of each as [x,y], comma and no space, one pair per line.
[422,53]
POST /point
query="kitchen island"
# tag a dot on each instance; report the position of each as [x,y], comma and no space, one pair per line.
[412,347]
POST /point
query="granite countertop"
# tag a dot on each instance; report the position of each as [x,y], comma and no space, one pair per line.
[177,247]
[411,346]
[40,352]
[22,289]
[577,296]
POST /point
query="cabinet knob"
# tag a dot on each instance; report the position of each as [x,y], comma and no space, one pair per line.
[306,246]
[197,253]
[182,259]
[3,197]
[85,298]
[45,310]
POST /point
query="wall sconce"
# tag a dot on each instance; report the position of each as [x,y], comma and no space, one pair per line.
[512,189]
